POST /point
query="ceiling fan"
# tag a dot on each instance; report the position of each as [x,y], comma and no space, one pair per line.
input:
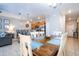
[54,5]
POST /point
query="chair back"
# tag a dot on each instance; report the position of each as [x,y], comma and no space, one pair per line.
[25,45]
[62,47]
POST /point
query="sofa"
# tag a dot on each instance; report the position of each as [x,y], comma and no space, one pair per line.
[5,39]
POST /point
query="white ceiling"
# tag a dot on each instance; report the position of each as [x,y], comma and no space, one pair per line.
[31,8]
[35,9]
[74,7]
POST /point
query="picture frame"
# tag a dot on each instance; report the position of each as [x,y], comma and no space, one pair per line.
[6,21]
[6,27]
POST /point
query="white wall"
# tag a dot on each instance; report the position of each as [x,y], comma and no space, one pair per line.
[56,23]
[71,27]
[19,24]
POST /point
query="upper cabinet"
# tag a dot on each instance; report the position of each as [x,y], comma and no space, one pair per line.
[38,24]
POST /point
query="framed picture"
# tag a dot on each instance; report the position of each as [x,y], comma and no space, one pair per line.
[6,21]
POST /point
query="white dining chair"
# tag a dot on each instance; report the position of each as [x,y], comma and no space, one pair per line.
[25,45]
[62,47]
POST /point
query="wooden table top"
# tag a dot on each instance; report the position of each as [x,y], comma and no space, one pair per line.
[46,50]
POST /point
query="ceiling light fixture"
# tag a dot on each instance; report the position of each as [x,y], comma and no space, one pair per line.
[49,4]
[52,4]
[69,11]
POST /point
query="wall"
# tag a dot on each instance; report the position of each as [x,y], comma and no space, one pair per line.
[19,24]
[56,22]
[13,20]
[71,27]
